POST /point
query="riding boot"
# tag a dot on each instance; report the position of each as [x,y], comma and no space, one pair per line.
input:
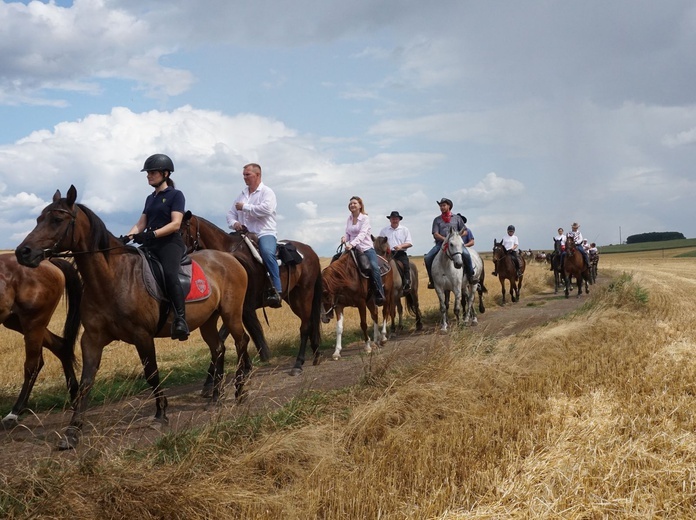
[272,298]
[180,328]
[406,287]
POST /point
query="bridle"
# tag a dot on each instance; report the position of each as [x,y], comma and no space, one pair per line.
[448,250]
[194,241]
[52,252]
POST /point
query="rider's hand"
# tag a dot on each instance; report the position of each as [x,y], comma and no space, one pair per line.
[124,239]
[144,237]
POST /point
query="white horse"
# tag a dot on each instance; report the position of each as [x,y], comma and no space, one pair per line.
[448,274]
[470,287]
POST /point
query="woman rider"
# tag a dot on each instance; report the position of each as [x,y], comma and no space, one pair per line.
[158,230]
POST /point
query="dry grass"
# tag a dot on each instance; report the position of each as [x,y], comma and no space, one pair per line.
[590,417]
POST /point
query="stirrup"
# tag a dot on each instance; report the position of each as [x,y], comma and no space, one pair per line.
[272,299]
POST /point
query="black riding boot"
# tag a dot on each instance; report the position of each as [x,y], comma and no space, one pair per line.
[406,287]
[180,328]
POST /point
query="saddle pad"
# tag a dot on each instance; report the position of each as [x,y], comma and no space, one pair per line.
[200,288]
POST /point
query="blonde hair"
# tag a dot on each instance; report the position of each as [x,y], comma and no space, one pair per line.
[360,201]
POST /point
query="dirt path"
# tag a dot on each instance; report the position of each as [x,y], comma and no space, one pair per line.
[129,422]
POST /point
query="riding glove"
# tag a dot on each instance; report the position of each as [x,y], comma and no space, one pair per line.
[124,239]
[144,238]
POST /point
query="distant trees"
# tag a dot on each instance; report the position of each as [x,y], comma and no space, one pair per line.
[654,236]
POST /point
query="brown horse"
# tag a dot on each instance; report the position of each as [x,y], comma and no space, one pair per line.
[344,286]
[302,284]
[117,306]
[28,299]
[574,265]
[382,248]
[505,268]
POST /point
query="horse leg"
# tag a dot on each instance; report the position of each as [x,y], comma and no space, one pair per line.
[231,312]
[518,288]
[339,334]
[458,305]
[362,309]
[566,281]
[502,288]
[216,371]
[33,362]
[442,297]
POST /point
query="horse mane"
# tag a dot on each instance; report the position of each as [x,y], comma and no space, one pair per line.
[340,275]
[101,236]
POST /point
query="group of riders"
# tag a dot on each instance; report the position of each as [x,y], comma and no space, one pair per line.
[589,252]
[254,210]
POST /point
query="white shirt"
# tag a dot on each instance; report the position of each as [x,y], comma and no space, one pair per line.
[510,241]
[577,237]
[258,213]
[562,238]
[396,236]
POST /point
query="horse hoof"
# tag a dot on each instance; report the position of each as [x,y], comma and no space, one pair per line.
[69,440]
[368,350]
[318,358]
[336,356]
[207,391]
[10,421]
[295,371]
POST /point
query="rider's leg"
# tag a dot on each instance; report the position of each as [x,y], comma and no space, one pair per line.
[267,248]
[169,253]
[428,258]
[468,263]
[402,257]
[376,277]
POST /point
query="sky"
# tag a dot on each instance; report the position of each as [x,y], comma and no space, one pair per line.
[537,113]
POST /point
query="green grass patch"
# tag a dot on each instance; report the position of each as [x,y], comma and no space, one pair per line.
[648,246]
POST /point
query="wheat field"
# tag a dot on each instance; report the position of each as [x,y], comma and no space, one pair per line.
[591,416]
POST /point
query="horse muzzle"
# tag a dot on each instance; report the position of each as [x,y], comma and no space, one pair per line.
[29,257]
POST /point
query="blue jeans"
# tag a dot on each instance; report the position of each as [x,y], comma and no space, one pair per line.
[267,247]
[376,277]
[429,257]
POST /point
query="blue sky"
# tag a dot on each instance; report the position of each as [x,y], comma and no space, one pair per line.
[535,113]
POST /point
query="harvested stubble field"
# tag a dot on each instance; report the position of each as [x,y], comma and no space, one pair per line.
[550,408]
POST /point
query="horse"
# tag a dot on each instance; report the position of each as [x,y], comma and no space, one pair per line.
[556,267]
[116,304]
[574,265]
[344,286]
[448,275]
[302,284]
[382,248]
[28,299]
[505,268]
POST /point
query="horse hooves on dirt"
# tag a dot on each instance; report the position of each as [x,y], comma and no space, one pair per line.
[296,371]
[69,440]
[207,391]
[318,358]
[10,421]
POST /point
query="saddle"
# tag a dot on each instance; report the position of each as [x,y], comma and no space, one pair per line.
[286,252]
[191,277]
[363,264]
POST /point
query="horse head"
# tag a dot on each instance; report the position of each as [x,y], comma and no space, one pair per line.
[570,244]
[453,247]
[499,251]
[54,232]
[381,245]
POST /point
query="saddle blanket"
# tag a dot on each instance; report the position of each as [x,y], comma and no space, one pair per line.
[199,287]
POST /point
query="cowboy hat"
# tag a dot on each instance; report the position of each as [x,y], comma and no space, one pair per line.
[445,200]
[395,214]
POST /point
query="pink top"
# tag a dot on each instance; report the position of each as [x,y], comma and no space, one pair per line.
[359,235]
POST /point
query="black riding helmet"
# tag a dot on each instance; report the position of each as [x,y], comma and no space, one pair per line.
[158,162]
[511,228]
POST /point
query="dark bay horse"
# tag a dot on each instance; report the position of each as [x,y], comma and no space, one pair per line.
[28,299]
[345,287]
[302,284]
[382,248]
[574,265]
[505,268]
[556,265]
[117,306]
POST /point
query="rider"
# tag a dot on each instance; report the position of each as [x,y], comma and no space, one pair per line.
[440,229]
[577,238]
[511,244]
[399,239]
[255,209]
[158,230]
[561,237]
[359,236]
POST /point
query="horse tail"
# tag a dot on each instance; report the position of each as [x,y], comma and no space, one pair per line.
[315,317]
[73,293]
[410,304]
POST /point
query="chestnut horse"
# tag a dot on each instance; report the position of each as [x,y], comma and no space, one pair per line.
[302,284]
[344,286]
[28,299]
[116,305]
[574,265]
[505,268]
[382,248]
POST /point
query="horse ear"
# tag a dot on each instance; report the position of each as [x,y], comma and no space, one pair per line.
[72,195]
[187,215]
[56,196]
